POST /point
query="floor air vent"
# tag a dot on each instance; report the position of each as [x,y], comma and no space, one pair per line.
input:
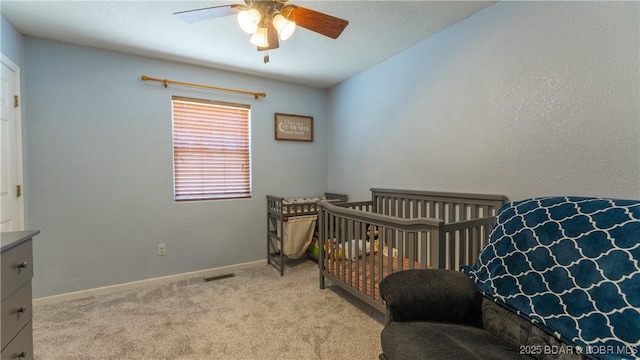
[219,277]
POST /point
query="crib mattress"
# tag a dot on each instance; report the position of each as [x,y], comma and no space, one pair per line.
[363,278]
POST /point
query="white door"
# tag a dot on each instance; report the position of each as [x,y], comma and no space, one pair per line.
[10,150]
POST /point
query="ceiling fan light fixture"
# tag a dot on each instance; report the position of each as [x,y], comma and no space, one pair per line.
[259,38]
[249,20]
[268,21]
[285,27]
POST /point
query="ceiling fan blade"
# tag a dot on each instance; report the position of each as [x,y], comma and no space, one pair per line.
[272,38]
[197,15]
[324,24]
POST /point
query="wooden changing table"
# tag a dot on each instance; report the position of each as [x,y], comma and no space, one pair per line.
[279,211]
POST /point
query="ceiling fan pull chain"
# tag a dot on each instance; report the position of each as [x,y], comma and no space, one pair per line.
[266,56]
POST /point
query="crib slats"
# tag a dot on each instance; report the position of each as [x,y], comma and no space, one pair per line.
[340,240]
[422,230]
[372,267]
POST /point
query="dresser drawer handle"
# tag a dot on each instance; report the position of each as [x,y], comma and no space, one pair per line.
[23,265]
[22,354]
[22,309]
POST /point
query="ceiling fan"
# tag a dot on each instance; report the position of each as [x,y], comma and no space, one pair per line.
[266,20]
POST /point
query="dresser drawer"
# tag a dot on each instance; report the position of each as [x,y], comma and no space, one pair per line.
[21,348]
[16,268]
[16,313]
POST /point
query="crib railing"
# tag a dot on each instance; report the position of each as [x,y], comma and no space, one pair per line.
[446,206]
[412,229]
[340,224]
[459,239]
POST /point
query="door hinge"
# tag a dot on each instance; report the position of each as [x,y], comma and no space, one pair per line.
[18,190]
[16,101]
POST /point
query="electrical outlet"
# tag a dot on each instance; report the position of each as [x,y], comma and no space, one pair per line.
[162,249]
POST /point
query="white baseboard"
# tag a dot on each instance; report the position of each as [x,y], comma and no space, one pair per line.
[153,281]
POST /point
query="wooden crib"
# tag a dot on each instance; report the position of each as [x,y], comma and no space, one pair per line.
[360,243]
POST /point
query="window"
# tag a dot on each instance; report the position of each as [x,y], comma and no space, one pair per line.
[211,157]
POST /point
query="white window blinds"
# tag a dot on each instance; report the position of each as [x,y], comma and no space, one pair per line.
[211,151]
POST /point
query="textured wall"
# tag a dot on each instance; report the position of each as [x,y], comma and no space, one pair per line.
[522,99]
[12,42]
[99,175]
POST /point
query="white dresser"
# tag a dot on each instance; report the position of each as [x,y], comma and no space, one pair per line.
[16,271]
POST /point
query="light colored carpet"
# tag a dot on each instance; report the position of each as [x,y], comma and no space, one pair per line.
[255,315]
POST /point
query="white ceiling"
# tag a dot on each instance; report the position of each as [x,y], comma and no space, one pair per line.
[377,30]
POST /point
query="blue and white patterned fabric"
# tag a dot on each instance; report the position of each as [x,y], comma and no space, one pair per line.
[571,265]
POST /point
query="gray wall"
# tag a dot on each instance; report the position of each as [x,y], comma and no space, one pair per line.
[100,171]
[11,41]
[522,99]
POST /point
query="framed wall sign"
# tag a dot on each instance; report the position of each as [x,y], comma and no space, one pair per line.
[293,127]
